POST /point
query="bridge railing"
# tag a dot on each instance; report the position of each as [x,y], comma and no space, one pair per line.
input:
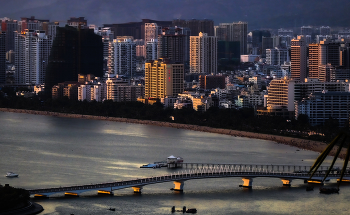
[254,167]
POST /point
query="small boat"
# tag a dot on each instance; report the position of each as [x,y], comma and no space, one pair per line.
[191,210]
[11,175]
[329,190]
[150,165]
[111,209]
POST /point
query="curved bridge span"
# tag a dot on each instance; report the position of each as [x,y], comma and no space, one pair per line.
[246,171]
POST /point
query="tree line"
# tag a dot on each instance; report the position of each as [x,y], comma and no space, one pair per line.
[236,119]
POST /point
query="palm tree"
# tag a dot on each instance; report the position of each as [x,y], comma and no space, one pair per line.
[341,137]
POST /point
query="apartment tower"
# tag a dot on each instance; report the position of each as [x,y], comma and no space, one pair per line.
[203,54]
[298,59]
[163,78]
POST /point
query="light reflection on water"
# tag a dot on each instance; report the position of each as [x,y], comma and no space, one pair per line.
[50,151]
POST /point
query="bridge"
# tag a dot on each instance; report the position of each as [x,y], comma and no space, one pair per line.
[247,172]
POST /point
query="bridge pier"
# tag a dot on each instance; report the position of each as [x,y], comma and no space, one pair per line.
[179,186]
[70,194]
[137,189]
[247,182]
[40,196]
[286,182]
[105,192]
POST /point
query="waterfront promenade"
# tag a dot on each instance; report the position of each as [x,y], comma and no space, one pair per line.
[300,143]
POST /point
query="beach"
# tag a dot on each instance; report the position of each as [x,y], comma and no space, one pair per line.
[315,146]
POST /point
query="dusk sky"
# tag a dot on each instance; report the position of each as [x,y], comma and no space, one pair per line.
[267,13]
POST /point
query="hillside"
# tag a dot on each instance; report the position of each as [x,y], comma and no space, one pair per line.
[259,14]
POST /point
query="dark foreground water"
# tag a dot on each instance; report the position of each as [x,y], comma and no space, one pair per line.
[49,151]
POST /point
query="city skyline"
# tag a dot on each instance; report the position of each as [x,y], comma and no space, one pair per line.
[271,14]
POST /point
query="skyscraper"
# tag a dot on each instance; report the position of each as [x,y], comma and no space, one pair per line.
[163,78]
[74,51]
[151,50]
[321,54]
[196,25]
[203,54]
[257,38]
[236,31]
[2,57]
[298,59]
[9,26]
[306,30]
[325,30]
[152,30]
[277,56]
[314,60]
[122,57]
[32,50]
[172,46]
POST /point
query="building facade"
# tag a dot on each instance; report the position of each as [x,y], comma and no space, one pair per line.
[122,57]
[163,78]
[32,50]
[298,59]
[203,54]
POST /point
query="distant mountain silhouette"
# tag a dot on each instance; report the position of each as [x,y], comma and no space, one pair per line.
[258,13]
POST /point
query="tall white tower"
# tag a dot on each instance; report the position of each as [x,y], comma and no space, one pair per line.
[122,57]
[32,50]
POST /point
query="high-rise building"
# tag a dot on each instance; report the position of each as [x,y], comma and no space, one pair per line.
[267,43]
[285,32]
[257,38]
[76,22]
[9,26]
[277,56]
[172,47]
[2,57]
[325,71]
[50,28]
[32,50]
[31,24]
[313,60]
[326,52]
[135,29]
[151,50]
[329,53]
[152,30]
[122,57]
[74,52]
[222,31]
[345,55]
[322,106]
[163,78]
[306,30]
[196,25]
[298,59]
[314,85]
[203,54]
[236,31]
[325,30]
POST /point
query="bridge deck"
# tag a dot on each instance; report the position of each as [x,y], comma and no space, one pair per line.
[205,171]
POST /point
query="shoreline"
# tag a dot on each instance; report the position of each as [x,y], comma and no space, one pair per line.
[311,145]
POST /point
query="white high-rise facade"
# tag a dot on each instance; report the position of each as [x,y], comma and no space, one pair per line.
[277,56]
[32,50]
[122,57]
[203,54]
[151,49]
